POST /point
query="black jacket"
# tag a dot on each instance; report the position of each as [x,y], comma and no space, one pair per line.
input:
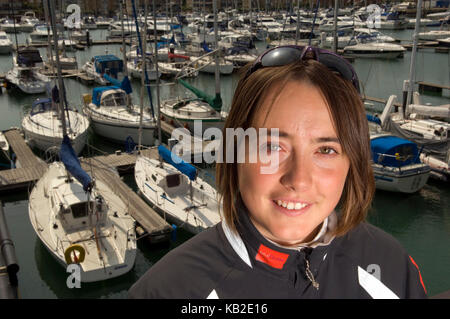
[220,264]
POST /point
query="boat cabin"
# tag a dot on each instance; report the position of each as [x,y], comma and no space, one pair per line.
[109,64]
[72,205]
[28,57]
[41,106]
[109,96]
[174,184]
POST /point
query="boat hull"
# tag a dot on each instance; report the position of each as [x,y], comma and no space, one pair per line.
[44,142]
[404,180]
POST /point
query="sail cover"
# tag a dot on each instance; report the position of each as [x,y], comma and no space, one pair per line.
[185,168]
[125,84]
[394,151]
[215,102]
[72,164]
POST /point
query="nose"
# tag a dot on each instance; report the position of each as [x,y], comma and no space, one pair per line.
[297,175]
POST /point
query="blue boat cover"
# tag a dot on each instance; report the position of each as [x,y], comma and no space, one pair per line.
[125,84]
[41,105]
[185,168]
[400,151]
[72,164]
[98,91]
[110,62]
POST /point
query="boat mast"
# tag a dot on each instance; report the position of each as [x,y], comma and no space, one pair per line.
[412,68]
[49,47]
[124,50]
[158,100]
[58,65]
[143,70]
[335,35]
[216,55]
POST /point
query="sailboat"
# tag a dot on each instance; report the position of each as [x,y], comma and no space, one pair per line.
[112,113]
[80,220]
[176,191]
[113,117]
[43,130]
[184,112]
[396,162]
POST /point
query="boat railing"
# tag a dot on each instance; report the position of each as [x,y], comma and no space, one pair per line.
[59,242]
[397,156]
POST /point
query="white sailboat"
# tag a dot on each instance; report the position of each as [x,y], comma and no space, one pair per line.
[90,228]
[186,200]
[79,220]
[43,130]
[113,118]
[396,163]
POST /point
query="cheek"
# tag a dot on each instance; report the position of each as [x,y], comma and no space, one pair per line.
[253,184]
[331,180]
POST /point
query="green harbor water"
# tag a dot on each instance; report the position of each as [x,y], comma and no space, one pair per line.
[421,221]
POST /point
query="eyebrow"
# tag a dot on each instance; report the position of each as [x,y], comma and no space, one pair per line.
[316,140]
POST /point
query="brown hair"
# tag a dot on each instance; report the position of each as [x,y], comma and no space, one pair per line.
[349,120]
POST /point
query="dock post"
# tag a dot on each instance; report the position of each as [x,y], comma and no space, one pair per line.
[8,262]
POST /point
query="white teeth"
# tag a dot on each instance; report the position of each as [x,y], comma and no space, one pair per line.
[291,205]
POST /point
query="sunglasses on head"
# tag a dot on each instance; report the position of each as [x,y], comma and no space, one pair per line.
[288,54]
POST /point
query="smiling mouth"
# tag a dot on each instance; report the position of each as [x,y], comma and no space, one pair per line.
[290,205]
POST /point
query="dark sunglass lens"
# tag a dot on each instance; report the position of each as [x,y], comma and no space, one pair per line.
[339,65]
[281,56]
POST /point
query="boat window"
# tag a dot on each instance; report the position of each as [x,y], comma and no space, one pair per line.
[3,37]
[81,209]
[114,99]
[173,180]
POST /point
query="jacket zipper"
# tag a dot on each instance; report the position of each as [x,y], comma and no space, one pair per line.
[308,272]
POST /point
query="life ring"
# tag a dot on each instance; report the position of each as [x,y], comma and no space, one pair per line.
[68,254]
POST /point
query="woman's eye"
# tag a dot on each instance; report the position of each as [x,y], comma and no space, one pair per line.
[326,150]
[270,147]
[274,147]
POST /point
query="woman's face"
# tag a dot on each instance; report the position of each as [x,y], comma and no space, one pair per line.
[288,206]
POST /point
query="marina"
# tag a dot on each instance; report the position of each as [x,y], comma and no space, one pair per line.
[419,220]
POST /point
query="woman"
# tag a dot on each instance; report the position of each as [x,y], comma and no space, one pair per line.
[298,231]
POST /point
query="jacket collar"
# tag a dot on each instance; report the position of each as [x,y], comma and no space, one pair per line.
[258,252]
